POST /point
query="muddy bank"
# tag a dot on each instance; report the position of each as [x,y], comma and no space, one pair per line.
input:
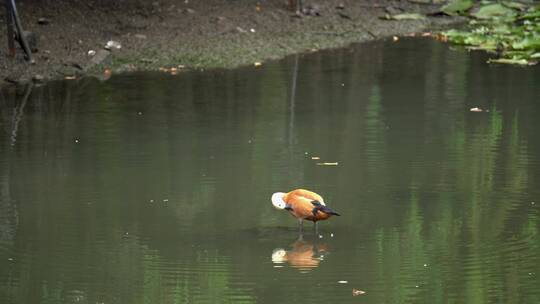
[71,35]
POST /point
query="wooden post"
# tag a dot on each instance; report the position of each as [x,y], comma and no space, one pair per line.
[10,33]
[20,32]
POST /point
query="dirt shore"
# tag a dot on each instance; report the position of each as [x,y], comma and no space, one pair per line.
[192,33]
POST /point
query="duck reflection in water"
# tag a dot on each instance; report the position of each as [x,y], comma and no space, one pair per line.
[303,255]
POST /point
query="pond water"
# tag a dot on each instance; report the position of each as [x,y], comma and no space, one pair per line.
[152,188]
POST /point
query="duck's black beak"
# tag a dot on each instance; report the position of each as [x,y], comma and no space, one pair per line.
[288,207]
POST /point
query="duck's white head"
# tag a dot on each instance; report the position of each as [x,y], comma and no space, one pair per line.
[279,255]
[277,200]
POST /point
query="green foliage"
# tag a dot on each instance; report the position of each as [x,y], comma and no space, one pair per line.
[492,11]
[511,30]
[515,5]
[456,7]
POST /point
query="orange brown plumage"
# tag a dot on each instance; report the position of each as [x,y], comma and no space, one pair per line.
[305,205]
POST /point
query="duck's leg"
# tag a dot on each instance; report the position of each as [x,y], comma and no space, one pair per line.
[316,227]
[301,226]
[300,237]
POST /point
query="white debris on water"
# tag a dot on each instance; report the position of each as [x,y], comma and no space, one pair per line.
[328,164]
[356,292]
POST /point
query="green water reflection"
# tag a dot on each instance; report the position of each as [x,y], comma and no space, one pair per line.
[151,188]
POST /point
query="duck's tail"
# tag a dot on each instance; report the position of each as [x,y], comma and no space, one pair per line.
[320,207]
[329,211]
[325,209]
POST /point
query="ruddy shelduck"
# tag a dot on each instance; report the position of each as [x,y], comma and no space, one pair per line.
[303,205]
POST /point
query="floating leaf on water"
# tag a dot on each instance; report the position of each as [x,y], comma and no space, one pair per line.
[315,157]
[395,38]
[356,292]
[511,61]
[257,64]
[456,7]
[488,45]
[456,36]
[495,10]
[475,109]
[527,43]
[343,282]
